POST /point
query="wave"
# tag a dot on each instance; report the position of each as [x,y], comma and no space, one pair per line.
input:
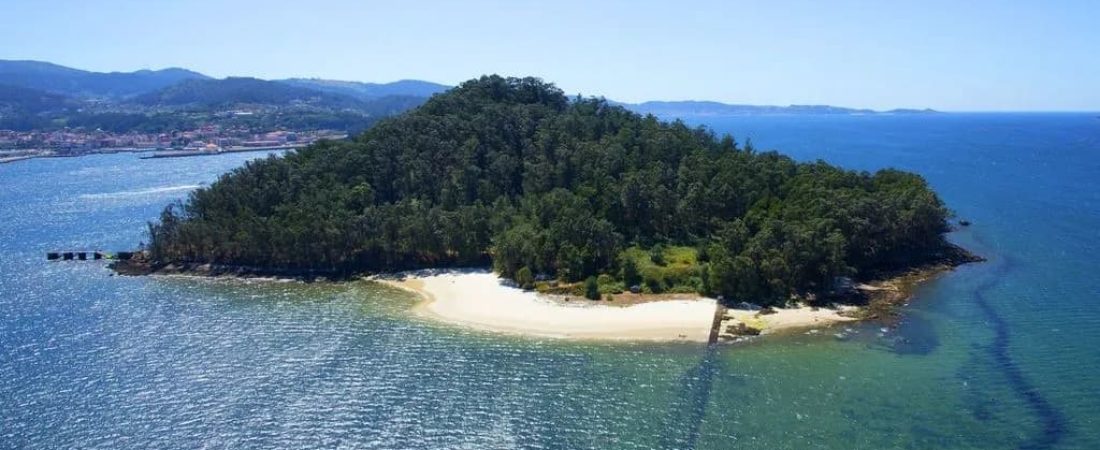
[140,192]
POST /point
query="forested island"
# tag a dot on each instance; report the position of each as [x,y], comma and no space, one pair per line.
[558,191]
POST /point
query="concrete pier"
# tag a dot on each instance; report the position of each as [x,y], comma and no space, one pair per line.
[719,313]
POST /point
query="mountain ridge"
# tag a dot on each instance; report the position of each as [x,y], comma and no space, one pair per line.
[360,89]
[10,74]
[36,95]
[64,80]
[215,93]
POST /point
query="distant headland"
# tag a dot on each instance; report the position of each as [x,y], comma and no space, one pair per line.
[716,109]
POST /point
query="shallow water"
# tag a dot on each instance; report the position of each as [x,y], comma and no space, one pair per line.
[996,355]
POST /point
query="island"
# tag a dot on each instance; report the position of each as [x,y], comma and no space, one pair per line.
[716,109]
[573,202]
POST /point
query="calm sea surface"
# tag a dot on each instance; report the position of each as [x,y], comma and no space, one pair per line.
[1004,354]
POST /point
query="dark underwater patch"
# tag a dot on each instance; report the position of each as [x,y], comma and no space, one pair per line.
[913,335]
[1052,423]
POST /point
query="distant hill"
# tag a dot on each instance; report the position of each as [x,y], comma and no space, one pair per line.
[21,100]
[414,88]
[238,92]
[38,96]
[80,83]
[211,93]
[28,109]
[707,108]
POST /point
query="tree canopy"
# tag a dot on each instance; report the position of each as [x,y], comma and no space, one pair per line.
[511,171]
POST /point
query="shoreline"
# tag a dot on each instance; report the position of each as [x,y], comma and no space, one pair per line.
[11,159]
[141,267]
[112,151]
[480,300]
[161,154]
[42,154]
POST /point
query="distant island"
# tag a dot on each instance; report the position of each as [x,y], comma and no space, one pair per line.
[711,109]
[568,196]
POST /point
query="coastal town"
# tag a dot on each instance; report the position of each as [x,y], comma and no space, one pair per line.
[19,145]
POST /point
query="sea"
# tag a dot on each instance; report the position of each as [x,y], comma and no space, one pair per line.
[998,355]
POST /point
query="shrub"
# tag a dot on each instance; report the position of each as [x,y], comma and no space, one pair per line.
[592,288]
[604,279]
[701,254]
[657,255]
[608,284]
[524,278]
[654,283]
[704,279]
[630,271]
[614,287]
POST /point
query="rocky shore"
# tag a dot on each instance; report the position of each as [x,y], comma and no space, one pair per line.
[139,266]
[878,297]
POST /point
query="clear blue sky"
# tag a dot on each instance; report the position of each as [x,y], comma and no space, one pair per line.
[950,55]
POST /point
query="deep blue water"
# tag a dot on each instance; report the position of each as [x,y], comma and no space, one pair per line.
[1002,354]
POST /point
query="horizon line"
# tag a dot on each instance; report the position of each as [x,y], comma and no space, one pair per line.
[723,102]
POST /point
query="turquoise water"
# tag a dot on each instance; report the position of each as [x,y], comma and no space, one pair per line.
[997,355]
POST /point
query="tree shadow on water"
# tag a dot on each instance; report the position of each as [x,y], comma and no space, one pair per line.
[681,430]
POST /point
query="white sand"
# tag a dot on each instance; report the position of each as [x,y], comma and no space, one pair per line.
[787,318]
[479,300]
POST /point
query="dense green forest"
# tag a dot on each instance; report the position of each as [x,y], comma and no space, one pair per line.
[511,171]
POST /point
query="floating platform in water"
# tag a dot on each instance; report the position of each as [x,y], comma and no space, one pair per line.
[88,255]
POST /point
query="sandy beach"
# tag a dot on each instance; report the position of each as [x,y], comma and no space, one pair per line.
[480,300]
